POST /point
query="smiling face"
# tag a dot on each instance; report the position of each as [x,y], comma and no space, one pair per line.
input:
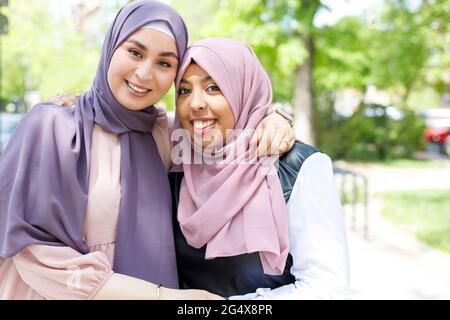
[143,68]
[202,108]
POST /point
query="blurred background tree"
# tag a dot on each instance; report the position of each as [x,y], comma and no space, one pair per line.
[282,34]
[43,52]
[396,47]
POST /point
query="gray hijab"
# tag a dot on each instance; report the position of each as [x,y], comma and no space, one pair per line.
[44,170]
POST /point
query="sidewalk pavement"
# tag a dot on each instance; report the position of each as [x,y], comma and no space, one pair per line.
[391,264]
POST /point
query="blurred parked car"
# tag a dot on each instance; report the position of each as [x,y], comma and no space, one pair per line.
[447,146]
[437,132]
[8,123]
[373,110]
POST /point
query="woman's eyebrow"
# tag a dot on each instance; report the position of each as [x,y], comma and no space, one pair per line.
[162,54]
[169,54]
[137,44]
[205,79]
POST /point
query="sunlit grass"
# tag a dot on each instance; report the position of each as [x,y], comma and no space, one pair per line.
[400,163]
[424,213]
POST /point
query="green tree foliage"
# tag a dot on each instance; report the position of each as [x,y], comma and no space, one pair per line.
[402,37]
[434,17]
[342,55]
[402,49]
[281,32]
[43,52]
[271,29]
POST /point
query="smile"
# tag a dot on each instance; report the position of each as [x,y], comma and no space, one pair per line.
[136,88]
[203,124]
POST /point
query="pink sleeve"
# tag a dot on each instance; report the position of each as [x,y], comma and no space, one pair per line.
[62,272]
[160,133]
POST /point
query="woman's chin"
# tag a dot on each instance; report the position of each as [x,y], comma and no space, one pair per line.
[133,105]
[205,143]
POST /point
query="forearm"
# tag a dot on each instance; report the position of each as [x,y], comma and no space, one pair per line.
[122,287]
[299,290]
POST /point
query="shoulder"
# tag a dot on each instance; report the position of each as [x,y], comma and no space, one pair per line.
[291,163]
[45,114]
[50,111]
[297,156]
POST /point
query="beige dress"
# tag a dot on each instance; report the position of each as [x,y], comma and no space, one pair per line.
[49,272]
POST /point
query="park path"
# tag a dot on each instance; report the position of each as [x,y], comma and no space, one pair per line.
[392,264]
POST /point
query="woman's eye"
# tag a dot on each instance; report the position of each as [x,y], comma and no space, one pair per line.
[164,64]
[212,88]
[135,53]
[183,91]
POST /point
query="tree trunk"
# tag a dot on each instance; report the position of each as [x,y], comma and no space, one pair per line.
[304,97]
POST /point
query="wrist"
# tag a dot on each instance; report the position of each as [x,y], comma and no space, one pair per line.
[284,114]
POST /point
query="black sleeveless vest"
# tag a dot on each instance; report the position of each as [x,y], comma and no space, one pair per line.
[241,274]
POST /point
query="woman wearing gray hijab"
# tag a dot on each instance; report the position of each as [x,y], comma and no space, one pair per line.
[85,206]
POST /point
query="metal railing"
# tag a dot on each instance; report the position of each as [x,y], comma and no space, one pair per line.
[352,182]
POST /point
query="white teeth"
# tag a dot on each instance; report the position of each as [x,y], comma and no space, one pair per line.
[137,89]
[199,124]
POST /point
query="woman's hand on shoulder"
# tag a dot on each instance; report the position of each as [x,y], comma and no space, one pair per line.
[65,100]
[273,136]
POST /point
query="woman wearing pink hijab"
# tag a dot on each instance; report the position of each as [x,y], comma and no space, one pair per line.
[245,230]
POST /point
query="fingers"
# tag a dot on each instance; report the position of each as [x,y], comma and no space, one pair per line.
[273,136]
[287,142]
[275,145]
[257,135]
[276,142]
[54,99]
[65,100]
[265,143]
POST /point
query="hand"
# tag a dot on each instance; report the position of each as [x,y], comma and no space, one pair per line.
[273,136]
[188,294]
[65,100]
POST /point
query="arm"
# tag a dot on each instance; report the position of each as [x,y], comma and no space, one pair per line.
[120,286]
[317,238]
[161,130]
[65,100]
[273,136]
[63,273]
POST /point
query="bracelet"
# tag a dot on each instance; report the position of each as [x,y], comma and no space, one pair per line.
[286,115]
[158,292]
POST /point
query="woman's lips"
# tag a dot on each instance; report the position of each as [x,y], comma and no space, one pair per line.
[202,126]
[137,90]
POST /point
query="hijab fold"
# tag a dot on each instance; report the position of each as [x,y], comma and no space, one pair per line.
[235,207]
[44,170]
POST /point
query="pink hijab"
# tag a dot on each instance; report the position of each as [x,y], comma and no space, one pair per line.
[235,208]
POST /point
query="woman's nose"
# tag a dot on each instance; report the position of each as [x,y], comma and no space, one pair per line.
[198,102]
[144,72]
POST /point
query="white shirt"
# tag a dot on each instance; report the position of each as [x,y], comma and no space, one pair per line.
[317,238]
